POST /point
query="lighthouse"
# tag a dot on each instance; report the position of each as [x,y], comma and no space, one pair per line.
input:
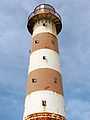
[44,99]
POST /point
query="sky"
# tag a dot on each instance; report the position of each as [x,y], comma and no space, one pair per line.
[74,42]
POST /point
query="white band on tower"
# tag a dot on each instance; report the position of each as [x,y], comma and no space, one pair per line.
[44,101]
[44,58]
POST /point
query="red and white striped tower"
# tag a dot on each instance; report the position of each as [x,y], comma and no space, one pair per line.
[44,100]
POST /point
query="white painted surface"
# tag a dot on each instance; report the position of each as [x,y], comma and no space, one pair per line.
[36,60]
[54,103]
[39,28]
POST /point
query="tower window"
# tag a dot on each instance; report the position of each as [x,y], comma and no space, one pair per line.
[36,41]
[44,57]
[34,80]
[44,24]
[43,102]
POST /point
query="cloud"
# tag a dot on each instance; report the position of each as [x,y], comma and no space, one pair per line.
[11,105]
[74,42]
[78,109]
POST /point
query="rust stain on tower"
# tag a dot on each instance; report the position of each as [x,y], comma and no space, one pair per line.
[44,99]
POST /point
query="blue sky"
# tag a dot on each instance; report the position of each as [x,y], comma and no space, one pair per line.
[74,42]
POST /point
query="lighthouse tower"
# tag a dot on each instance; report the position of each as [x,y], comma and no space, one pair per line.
[44,99]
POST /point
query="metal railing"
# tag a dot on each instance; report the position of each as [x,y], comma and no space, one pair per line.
[45,7]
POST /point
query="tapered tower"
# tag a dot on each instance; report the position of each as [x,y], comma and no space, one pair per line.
[44,99]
